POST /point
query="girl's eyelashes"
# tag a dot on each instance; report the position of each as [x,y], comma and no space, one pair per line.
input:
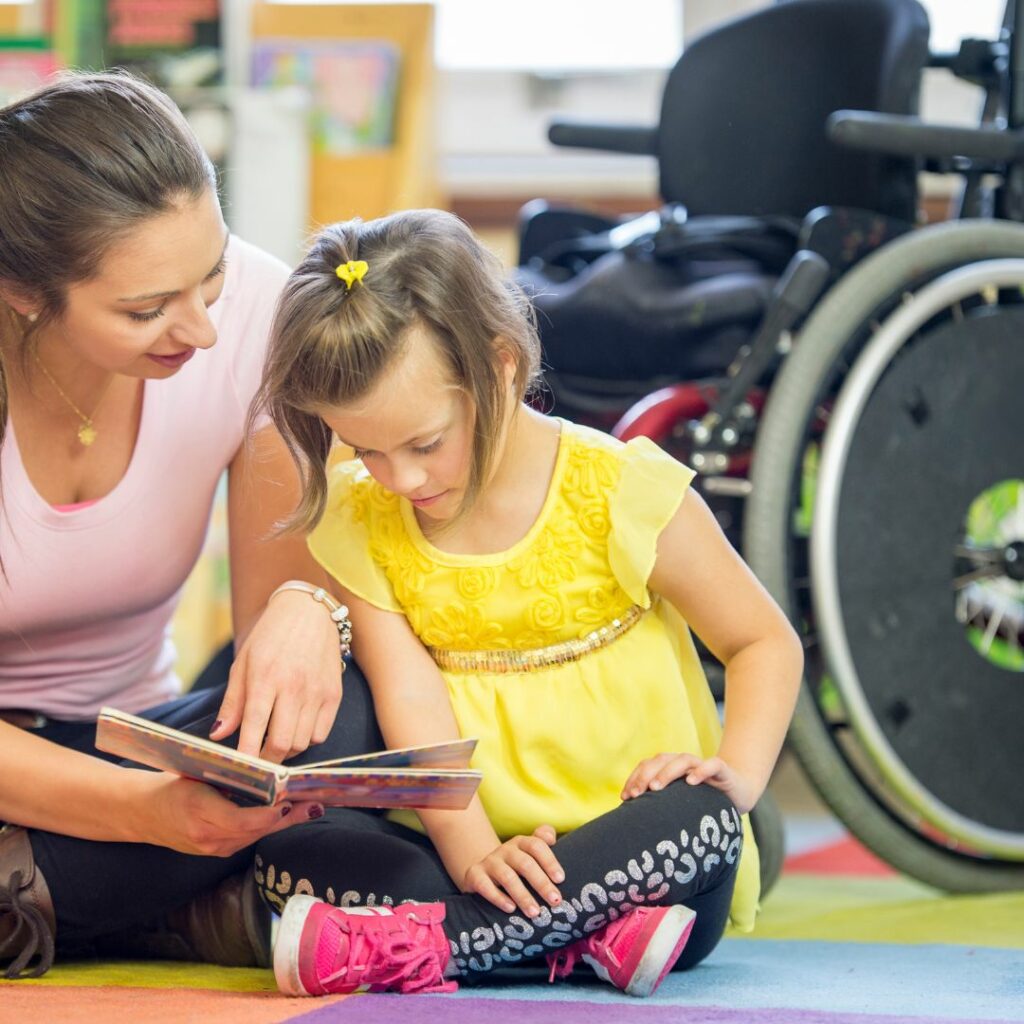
[146,317]
[426,449]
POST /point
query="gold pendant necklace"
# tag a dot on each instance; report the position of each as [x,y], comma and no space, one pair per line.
[87,431]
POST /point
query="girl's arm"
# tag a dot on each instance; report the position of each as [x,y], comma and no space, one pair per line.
[411,701]
[285,684]
[698,571]
[45,786]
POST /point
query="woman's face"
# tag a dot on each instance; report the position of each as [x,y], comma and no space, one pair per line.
[414,431]
[145,312]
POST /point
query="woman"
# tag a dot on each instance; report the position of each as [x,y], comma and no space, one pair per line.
[132,336]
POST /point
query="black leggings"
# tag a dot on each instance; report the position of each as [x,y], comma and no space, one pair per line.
[99,888]
[679,845]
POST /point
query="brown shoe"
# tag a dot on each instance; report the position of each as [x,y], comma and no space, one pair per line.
[27,922]
[229,925]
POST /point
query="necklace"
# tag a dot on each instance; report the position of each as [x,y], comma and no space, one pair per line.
[87,431]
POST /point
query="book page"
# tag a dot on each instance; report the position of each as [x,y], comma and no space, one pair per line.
[411,787]
[455,754]
[158,746]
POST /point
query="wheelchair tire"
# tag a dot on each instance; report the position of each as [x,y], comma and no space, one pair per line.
[823,361]
[769,834]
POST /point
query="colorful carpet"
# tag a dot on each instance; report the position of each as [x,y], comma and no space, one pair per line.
[841,940]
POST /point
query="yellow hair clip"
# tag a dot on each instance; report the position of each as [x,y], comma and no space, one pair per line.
[351,272]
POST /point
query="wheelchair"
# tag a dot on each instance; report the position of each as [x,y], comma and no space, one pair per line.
[853,417]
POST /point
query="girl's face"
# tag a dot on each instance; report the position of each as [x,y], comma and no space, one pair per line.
[413,431]
[145,312]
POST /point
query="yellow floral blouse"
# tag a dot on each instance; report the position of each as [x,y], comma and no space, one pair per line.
[556,743]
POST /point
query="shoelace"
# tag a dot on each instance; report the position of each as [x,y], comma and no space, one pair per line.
[28,917]
[417,970]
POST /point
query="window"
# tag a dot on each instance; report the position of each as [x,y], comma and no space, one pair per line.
[953,20]
[556,35]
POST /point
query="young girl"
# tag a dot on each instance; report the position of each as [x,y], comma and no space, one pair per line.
[529,582]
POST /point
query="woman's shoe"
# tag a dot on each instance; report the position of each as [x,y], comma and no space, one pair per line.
[28,925]
[322,949]
[634,952]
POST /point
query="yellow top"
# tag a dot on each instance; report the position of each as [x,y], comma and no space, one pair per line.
[557,742]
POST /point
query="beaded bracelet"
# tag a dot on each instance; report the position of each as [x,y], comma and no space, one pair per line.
[338,612]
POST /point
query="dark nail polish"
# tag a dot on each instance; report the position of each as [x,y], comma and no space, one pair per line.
[216,725]
[286,810]
[316,811]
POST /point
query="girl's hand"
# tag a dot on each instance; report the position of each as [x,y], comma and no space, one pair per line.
[657,772]
[191,817]
[285,685]
[521,859]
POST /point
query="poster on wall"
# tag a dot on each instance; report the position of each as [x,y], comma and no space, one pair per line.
[354,88]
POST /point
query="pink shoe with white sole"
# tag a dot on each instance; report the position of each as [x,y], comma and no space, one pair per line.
[322,949]
[633,953]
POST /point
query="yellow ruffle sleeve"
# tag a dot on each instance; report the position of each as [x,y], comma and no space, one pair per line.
[349,532]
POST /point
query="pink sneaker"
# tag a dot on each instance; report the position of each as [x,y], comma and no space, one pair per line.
[322,949]
[635,952]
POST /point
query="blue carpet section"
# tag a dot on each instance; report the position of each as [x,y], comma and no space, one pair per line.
[901,982]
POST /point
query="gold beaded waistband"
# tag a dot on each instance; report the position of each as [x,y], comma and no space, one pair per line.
[538,657]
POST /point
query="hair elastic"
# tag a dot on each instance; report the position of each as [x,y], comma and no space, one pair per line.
[352,271]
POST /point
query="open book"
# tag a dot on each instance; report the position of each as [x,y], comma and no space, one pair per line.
[434,776]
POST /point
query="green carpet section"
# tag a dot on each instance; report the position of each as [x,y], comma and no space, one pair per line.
[844,909]
[157,975]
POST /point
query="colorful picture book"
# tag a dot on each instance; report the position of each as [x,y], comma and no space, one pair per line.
[433,776]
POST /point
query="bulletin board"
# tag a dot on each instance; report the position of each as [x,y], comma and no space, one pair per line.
[396,168]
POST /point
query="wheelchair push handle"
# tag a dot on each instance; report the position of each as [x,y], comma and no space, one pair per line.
[616,138]
[904,135]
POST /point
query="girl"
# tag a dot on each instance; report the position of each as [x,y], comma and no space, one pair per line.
[529,582]
[133,329]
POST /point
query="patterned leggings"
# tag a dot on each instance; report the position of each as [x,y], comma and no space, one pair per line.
[679,845]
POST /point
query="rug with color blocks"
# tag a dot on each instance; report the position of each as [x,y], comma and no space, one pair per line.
[841,940]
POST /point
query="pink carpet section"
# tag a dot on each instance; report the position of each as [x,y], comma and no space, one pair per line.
[845,857]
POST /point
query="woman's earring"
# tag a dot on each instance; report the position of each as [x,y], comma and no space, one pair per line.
[33,317]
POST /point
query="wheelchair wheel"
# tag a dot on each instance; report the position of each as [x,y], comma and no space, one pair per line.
[887,517]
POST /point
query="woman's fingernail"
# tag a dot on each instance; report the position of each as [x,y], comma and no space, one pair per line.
[286,810]
[559,876]
[216,725]
[316,811]
[655,784]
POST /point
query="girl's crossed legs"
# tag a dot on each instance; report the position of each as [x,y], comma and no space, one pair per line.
[677,846]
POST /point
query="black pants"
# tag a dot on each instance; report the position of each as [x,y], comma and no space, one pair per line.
[679,845]
[99,888]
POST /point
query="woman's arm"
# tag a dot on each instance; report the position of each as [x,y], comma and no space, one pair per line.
[45,786]
[285,685]
[698,571]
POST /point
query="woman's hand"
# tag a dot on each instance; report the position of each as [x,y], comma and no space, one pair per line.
[657,772]
[191,817]
[285,685]
[501,875]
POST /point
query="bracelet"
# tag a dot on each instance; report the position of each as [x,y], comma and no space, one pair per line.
[338,612]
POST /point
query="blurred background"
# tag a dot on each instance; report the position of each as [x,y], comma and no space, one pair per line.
[315,112]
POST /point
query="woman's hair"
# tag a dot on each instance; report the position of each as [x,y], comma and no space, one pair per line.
[330,344]
[83,160]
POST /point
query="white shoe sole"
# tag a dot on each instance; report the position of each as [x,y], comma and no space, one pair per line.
[286,948]
[660,951]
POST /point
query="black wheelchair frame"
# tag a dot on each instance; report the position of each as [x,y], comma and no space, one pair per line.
[863,450]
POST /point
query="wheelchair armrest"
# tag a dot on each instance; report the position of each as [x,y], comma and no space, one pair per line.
[904,135]
[615,138]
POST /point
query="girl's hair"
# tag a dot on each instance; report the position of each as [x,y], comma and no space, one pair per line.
[83,160]
[330,344]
